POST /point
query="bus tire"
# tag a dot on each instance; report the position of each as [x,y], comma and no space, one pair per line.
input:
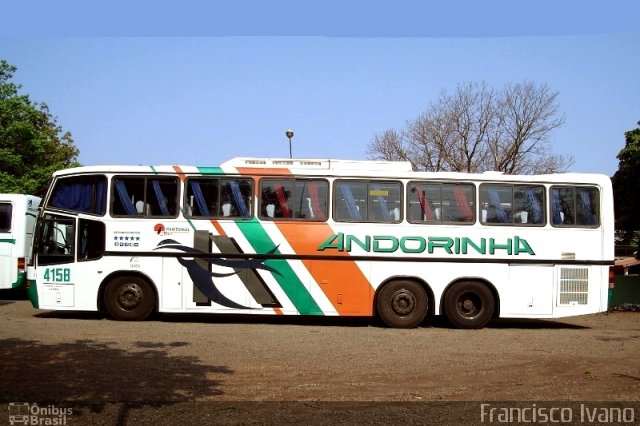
[469,304]
[402,304]
[129,298]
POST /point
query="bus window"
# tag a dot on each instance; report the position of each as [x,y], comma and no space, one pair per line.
[215,197]
[91,239]
[440,202]
[5,217]
[574,206]
[303,199]
[528,202]
[512,204]
[367,201]
[85,194]
[145,196]
[202,197]
[235,196]
[56,240]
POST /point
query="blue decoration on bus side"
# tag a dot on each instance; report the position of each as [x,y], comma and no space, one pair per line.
[203,279]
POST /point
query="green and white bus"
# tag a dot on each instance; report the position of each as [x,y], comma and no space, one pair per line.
[323,237]
[18,213]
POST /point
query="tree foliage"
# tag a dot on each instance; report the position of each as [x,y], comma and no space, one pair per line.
[478,128]
[626,186]
[32,144]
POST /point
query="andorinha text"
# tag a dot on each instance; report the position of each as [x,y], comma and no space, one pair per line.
[417,244]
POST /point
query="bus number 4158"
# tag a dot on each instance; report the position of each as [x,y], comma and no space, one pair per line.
[57,275]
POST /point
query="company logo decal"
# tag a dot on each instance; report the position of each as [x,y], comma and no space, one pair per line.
[203,278]
[160,229]
[431,245]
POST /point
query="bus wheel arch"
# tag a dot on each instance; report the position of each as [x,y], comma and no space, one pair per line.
[403,302]
[470,303]
[128,296]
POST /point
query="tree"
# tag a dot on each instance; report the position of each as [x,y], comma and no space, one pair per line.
[478,128]
[625,187]
[32,144]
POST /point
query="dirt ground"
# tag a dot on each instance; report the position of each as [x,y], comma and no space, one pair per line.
[219,369]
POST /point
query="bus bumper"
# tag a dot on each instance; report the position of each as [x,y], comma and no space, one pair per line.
[32,287]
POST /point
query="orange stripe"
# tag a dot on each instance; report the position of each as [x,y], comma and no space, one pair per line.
[278,311]
[218,228]
[179,172]
[342,281]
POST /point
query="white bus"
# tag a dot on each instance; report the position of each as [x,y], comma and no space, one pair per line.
[324,237]
[18,214]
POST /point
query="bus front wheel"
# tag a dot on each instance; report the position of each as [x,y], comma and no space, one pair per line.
[402,304]
[469,304]
[129,299]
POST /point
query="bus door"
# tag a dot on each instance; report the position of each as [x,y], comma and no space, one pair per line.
[67,247]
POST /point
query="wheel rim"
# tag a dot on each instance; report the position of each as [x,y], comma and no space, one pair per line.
[129,296]
[469,305]
[403,302]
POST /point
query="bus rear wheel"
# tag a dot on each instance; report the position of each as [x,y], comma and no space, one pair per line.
[402,304]
[129,298]
[469,304]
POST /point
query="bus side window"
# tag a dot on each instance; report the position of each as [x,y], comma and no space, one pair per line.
[236,197]
[274,199]
[562,205]
[145,196]
[91,240]
[126,194]
[86,194]
[346,198]
[162,195]
[586,206]
[457,203]
[574,206]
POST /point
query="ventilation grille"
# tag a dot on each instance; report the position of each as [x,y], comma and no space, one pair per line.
[574,286]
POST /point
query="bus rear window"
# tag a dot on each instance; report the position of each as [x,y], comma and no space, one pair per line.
[5,217]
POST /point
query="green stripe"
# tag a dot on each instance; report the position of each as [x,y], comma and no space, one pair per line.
[288,280]
[20,281]
[188,220]
[8,240]
[32,293]
[211,170]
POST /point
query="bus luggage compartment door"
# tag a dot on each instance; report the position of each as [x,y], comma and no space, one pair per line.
[530,290]
[172,284]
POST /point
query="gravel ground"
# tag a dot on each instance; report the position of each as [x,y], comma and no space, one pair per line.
[239,370]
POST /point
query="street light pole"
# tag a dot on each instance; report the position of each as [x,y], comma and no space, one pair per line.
[289,134]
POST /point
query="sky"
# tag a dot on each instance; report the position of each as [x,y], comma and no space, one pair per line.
[202,84]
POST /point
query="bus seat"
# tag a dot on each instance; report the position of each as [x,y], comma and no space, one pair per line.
[271,210]
[143,208]
[394,213]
